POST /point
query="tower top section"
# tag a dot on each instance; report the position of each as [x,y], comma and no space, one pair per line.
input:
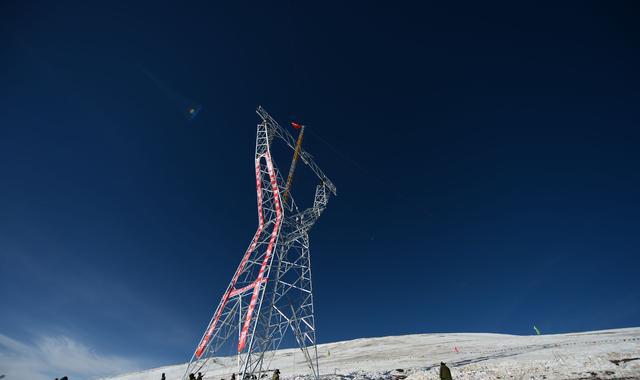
[276,130]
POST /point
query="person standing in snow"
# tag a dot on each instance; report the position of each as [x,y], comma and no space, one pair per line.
[192,376]
[233,376]
[276,375]
[163,377]
[199,376]
[445,372]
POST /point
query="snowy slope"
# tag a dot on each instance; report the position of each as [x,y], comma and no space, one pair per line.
[594,355]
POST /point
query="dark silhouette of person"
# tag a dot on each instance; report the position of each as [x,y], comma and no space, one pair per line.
[233,376]
[163,377]
[199,376]
[445,372]
[192,376]
[64,378]
[276,375]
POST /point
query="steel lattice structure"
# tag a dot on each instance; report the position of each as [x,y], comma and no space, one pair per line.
[271,291]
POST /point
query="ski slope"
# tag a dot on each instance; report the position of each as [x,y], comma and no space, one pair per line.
[607,354]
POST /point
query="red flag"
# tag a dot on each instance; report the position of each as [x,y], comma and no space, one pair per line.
[296,125]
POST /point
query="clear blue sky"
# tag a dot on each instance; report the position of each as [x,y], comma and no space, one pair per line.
[487,168]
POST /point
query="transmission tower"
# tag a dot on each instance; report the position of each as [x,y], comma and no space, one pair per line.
[271,292]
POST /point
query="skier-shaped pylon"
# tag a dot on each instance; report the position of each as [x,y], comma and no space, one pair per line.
[270,292]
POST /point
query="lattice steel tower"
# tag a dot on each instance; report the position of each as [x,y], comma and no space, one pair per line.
[270,292]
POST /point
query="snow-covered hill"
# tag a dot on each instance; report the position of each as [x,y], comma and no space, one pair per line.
[608,354]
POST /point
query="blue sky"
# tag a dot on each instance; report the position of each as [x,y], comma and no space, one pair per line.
[485,157]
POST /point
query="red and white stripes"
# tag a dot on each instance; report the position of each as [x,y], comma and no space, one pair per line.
[257,284]
[265,262]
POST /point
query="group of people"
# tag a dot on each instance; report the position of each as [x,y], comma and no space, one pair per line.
[445,374]
[275,376]
[191,376]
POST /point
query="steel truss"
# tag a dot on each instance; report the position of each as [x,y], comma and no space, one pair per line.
[271,291]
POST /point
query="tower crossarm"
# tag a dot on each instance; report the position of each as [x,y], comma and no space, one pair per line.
[304,220]
[307,158]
